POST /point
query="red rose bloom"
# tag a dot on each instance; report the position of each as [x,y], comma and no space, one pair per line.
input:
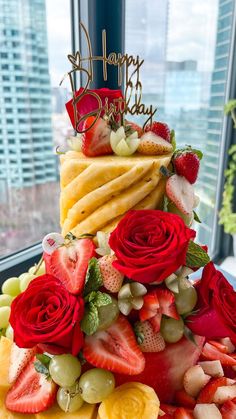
[216,317]
[150,244]
[46,314]
[89,102]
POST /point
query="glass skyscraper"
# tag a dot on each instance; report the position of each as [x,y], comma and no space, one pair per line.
[210,170]
[26,157]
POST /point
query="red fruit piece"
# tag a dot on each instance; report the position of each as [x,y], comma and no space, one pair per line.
[228,409]
[187,165]
[70,263]
[96,141]
[181,193]
[18,360]
[182,413]
[135,127]
[211,352]
[151,341]
[156,303]
[164,371]
[184,399]
[115,349]
[31,393]
[159,128]
[112,278]
[219,346]
[207,393]
[152,145]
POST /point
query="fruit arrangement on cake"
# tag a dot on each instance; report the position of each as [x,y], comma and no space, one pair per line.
[109,325]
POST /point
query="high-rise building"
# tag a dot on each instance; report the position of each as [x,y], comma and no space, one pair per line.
[215,115]
[26,157]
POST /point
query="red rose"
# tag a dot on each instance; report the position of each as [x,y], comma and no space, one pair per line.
[89,103]
[46,314]
[216,317]
[150,244]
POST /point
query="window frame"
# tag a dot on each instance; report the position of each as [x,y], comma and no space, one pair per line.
[18,262]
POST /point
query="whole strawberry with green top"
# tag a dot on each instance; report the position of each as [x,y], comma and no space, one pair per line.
[187,163]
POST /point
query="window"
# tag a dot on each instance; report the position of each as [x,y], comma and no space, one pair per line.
[29,203]
[186,48]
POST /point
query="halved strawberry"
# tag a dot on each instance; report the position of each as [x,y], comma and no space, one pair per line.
[164,370]
[19,358]
[184,399]
[31,393]
[212,353]
[206,395]
[159,128]
[182,413]
[150,306]
[222,348]
[69,263]
[96,141]
[115,349]
[166,300]
[181,193]
[228,410]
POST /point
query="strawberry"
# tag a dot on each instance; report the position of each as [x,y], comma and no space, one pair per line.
[96,140]
[156,303]
[229,345]
[212,368]
[228,410]
[135,127]
[184,399]
[115,349]
[206,395]
[212,353]
[206,411]
[159,128]
[164,370]
[149,340]
[69,263]
[31,393]
[186,163]
[19,358]
[112,278]
[224,393]
[182,413]
[222,348]
[181,193]
[151,144]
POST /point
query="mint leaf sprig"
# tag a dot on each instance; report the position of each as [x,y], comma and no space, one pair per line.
[93,280]
[196,256]
[42,364]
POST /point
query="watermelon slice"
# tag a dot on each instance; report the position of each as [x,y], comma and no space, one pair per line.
[164,370]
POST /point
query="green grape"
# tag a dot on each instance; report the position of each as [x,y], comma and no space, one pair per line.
[9,332]
[5,300]
[25,281]
[4,316]
[186,300]
[40,271]
[96,384]
[11,286]
[64,370]
[69,398]
[172,330]
[108,314]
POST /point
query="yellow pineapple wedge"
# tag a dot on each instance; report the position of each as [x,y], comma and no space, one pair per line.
[130,401]
[97,192]
[5,352]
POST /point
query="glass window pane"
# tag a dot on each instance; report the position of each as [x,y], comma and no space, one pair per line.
[34,39]
[186,48]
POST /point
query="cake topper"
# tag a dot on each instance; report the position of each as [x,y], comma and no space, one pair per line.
[128,71]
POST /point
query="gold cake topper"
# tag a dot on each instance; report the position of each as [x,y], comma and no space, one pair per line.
[128,67]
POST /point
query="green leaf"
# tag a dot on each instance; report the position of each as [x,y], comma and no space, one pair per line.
[172,139]
[230,106]
[90,297]
[90,321]
[196,257]
[102,299]
[165,203]
[44,359]
[41,368]
[189,335]
[93,280]
[196,218]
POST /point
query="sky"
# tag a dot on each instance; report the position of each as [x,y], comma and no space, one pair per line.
[191,33]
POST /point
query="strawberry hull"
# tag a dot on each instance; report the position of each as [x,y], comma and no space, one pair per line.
[164,370]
